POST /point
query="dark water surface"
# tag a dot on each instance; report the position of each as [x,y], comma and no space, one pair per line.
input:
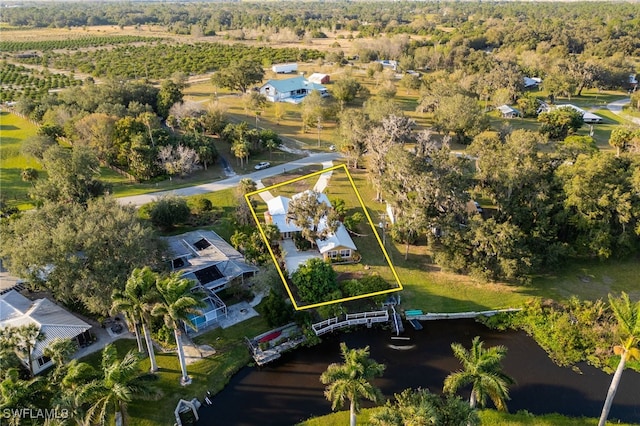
[289,390]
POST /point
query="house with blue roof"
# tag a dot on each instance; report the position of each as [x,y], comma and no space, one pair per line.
[291,90]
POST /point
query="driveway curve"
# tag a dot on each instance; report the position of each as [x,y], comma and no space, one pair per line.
[616,108]
[138,200]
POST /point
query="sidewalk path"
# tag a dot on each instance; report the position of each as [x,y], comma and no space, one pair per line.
[265,195]
[138,200]
[616,108]
[324,178]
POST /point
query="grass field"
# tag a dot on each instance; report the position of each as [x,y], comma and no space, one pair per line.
[487,417]
[13,130]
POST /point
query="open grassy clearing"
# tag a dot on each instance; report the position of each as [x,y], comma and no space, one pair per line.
[425,286]
[289,127]
[14,130]
[591,279]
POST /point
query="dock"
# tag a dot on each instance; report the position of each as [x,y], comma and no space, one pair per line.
[396,322]
[361,318]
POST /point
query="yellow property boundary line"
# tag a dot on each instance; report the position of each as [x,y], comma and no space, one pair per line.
[366,212]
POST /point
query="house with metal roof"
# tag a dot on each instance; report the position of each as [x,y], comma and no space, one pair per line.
[53,321]
[333,246]
[530,82]
[508,112]
[291,90]
[208,259]
[587,116]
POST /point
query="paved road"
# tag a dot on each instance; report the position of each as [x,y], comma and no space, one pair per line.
[138,200]
[616,108]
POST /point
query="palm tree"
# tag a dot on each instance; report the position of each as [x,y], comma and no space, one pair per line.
[119,383]
[123,302]
[175,306]
[482,369]
[17,394]
[70,394]
[240,150]
[25,339]
[628,317]
[60,352]
[137,300]
[271,144]
[351,380]
[245,186]
[414,407]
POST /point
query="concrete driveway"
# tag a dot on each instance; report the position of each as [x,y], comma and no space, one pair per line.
[616,108]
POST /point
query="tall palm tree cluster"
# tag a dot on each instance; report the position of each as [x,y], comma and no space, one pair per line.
[148,294]
[83,394]
[481,368]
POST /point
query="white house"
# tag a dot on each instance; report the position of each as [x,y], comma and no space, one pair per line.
[530,82]
[508,112]
[52,321]
[333,246]
[389,63]
[586,116]
[291,90]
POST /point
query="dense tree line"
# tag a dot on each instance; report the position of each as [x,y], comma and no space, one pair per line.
[80,254]
[548,205]
[585,27]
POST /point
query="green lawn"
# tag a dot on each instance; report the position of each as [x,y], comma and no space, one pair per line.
[13,130]
[487,417]
[591,280]
[211,373]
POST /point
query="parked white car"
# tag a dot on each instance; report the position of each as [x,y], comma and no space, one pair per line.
[262,165]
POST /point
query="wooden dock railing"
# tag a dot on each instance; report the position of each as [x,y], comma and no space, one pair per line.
[359,318]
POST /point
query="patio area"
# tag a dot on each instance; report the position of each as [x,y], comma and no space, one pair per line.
[294,258]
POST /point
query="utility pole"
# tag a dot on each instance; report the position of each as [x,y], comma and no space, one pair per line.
[383,225]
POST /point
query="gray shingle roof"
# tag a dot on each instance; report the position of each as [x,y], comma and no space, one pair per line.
[229,261]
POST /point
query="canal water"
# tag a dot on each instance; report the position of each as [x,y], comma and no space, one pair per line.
[289,390]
